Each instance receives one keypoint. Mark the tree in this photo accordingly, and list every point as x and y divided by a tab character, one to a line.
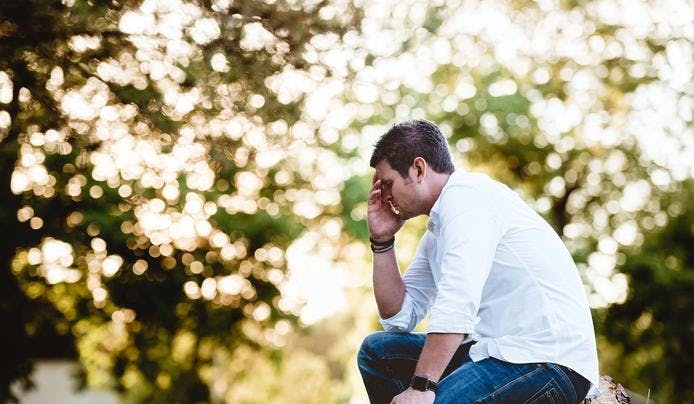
651	330
155	168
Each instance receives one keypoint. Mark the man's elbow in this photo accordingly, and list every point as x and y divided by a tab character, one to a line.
387	311
386	314
389	308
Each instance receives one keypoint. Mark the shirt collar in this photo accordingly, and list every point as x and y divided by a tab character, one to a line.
433	225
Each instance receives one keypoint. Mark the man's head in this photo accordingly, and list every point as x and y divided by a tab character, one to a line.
408	140
413	164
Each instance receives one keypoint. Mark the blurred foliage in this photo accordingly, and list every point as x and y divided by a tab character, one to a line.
150	185
651	330
167	165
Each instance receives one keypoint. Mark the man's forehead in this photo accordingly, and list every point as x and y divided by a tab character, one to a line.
384	170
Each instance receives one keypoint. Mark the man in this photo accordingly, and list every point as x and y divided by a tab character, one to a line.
508	316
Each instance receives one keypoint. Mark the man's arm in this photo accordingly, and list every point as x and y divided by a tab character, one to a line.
389	288
402	300
436	354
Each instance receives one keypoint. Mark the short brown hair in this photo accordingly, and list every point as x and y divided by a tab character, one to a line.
411	139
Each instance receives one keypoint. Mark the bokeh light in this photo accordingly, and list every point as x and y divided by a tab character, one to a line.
209	162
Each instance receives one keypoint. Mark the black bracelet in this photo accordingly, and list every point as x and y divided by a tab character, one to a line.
378	250
380	244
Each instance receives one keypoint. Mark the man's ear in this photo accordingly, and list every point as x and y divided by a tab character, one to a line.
420	166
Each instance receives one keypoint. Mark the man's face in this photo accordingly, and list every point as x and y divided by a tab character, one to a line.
398	191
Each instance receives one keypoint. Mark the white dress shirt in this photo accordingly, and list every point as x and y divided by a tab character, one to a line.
491	267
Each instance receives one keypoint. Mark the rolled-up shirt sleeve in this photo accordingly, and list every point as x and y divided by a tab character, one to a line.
419	292
468	245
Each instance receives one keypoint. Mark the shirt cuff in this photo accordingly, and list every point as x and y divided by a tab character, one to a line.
401	322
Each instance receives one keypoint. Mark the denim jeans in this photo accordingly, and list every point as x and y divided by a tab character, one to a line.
387	361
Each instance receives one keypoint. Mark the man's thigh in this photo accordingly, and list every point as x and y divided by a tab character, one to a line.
406	347
398	353
495	381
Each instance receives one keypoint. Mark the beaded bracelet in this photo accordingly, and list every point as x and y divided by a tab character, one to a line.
379	250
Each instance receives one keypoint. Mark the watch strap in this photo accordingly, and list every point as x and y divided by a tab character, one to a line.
423	384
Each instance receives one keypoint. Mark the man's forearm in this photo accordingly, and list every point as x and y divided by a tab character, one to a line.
436	354
389	288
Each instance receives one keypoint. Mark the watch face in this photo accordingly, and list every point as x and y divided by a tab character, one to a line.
419	383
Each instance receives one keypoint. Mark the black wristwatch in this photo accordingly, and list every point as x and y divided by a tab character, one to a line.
423	384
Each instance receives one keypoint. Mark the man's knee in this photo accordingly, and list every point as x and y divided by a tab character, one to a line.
377	345
371	344
384	343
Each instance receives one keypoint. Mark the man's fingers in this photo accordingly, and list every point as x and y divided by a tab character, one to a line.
373	195
376	184
375	191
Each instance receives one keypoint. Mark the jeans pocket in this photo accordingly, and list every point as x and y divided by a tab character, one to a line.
550	393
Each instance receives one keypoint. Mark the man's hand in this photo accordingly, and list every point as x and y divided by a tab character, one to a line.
412	396
383	223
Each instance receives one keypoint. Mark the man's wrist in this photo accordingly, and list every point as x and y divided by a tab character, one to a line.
382	246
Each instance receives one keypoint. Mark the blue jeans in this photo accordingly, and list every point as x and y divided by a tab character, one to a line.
387	361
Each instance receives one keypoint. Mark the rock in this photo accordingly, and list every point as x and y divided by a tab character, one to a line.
610	393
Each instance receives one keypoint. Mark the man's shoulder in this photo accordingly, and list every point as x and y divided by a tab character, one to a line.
471	183
466	191
472	179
